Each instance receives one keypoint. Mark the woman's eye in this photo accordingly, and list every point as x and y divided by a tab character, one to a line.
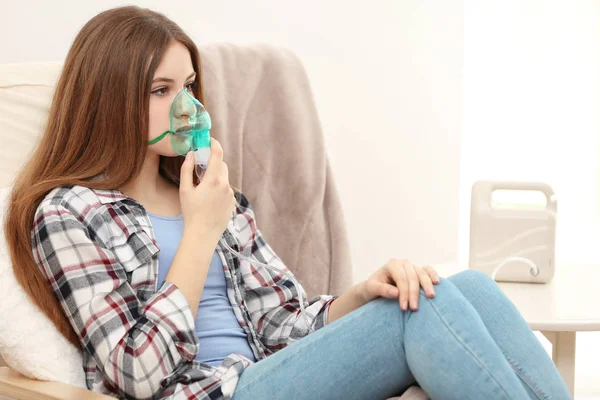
190	86
160	91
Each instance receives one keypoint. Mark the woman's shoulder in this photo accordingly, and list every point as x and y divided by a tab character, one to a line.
76	197
94	210
79	201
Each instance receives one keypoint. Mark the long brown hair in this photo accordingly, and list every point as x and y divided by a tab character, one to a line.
99	111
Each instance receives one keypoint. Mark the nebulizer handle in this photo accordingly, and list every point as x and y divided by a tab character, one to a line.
200	145
201	156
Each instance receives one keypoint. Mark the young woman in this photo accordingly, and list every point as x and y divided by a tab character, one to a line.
120	246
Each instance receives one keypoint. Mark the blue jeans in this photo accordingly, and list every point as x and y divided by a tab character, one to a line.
468	342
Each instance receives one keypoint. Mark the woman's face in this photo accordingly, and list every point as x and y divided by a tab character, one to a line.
174	73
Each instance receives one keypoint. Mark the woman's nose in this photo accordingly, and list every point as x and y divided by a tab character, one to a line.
185	116
184	108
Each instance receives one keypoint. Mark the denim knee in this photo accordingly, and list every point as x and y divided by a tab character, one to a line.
474	275
476	280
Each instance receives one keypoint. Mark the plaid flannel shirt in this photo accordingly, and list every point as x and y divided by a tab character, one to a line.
98	251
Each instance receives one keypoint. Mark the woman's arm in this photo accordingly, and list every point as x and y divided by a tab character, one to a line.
346	303
190	266
134	345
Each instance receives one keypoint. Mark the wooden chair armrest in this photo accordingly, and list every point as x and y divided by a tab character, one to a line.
17	386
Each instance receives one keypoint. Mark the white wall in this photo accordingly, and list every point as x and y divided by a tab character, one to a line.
530	99
387	81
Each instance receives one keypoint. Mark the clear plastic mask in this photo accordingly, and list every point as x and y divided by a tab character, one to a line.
190	124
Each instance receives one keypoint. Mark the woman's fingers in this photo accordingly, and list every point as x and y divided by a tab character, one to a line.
215	161
186	179
398	274
413	285
409	279
426	282
433	275
383	289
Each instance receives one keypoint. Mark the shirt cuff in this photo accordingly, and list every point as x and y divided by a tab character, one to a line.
322	317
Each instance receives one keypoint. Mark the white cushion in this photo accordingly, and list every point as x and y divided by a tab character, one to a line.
25	95
29	342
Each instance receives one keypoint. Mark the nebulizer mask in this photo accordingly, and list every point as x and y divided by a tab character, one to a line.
190	126
189	130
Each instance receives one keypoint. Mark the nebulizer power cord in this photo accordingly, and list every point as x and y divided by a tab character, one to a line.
189	131
534	270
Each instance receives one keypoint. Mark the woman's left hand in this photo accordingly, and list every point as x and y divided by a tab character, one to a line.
400	278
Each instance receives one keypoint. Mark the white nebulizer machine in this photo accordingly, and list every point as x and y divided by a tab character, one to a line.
190	126
513	241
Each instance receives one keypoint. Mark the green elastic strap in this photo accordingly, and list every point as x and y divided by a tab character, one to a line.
159	138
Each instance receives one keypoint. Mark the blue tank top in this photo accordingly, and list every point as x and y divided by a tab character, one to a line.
219	333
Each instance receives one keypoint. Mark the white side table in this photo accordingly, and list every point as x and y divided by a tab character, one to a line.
559	309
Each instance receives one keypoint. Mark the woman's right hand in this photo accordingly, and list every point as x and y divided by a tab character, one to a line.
207	208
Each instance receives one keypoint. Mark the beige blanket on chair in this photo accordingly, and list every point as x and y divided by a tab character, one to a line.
264	115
